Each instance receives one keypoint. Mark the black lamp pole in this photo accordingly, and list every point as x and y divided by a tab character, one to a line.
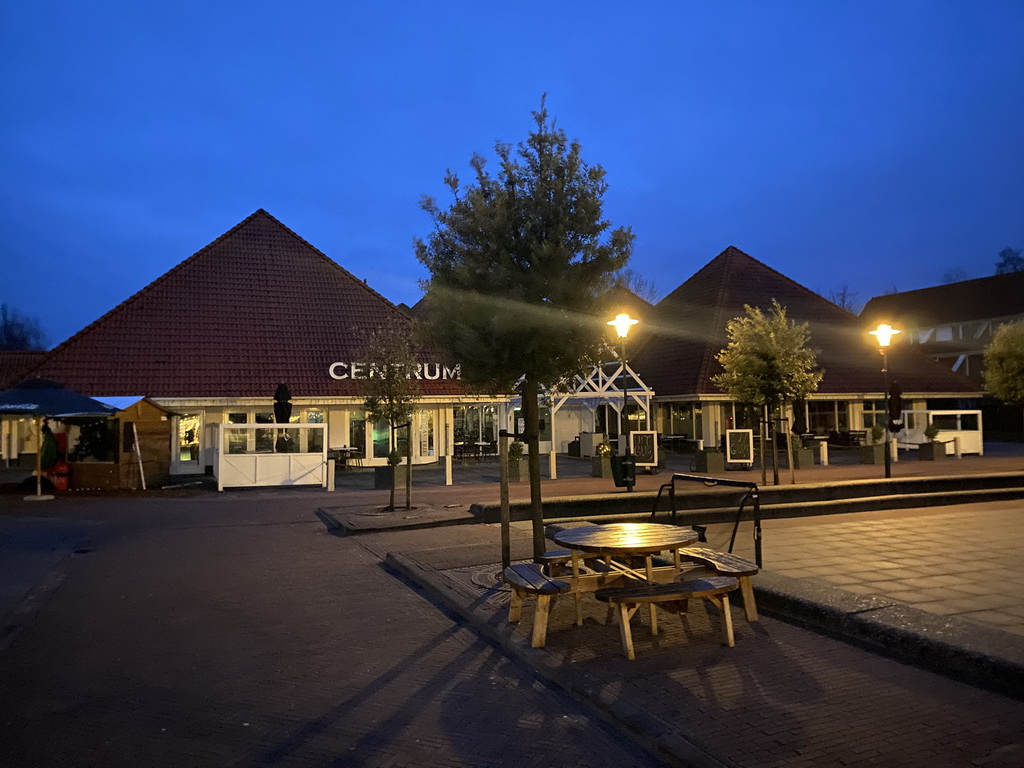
884	333
623	419
622	323
888	439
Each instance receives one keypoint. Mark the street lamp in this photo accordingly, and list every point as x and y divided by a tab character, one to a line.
884	333
622	323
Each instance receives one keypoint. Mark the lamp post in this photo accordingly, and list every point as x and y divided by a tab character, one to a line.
884	334
622	323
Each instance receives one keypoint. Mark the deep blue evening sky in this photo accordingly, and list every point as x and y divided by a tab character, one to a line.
877	144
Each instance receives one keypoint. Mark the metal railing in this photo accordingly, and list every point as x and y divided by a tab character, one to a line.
752	494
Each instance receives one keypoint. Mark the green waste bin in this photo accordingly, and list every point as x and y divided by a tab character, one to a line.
624	471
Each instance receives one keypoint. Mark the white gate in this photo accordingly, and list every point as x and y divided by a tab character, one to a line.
249	455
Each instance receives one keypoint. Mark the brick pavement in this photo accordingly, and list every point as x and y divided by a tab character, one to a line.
784	696
263	602
963	560
212	633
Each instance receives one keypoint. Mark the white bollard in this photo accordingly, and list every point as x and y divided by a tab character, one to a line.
330	475
894	449
823	452
956	447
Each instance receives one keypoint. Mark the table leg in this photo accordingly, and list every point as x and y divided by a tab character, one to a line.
653	608
577	596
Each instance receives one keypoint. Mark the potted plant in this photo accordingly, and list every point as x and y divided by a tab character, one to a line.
382	476
709	461
932	450
875	452
601	462
518	467
803	455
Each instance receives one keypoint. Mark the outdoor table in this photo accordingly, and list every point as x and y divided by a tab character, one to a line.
624	541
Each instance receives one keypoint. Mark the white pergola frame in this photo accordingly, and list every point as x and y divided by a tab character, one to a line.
595	388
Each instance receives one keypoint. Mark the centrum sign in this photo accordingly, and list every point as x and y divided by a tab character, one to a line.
424	371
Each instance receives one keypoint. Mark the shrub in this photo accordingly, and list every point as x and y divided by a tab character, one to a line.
515	451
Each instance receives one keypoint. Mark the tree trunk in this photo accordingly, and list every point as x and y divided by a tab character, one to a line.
531	418
764	443
789	450
775	444
408	466
391	447
506	527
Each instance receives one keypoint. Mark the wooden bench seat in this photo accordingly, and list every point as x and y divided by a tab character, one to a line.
727	564
555	561
673	597
527	579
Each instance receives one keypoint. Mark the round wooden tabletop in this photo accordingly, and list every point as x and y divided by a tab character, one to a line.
626	538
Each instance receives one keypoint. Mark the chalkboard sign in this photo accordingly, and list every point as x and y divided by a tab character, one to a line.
644	446
739	446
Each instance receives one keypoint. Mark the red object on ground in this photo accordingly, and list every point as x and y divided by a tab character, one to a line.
59	476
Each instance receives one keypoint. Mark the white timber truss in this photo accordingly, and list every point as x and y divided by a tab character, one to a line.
601	385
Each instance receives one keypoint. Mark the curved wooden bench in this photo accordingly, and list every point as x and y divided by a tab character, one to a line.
673	597
726	564
527	579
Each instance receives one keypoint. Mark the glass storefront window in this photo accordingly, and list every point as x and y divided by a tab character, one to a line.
189	425
264	437
426	421
381	441
827	416
874	413
315	440
357	432
238	439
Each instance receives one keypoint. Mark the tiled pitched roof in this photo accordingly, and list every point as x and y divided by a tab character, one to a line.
688	330
15	365
256	307
983	298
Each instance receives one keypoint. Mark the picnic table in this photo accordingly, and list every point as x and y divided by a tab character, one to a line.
621	544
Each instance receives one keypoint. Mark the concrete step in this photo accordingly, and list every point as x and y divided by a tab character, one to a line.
720	504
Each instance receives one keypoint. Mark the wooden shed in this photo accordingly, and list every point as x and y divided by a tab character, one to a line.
143	457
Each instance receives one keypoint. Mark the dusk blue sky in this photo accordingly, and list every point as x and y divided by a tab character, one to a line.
876	144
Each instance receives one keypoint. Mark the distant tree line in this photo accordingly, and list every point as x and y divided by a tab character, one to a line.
18	331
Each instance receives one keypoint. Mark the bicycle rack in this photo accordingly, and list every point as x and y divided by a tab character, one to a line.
752	494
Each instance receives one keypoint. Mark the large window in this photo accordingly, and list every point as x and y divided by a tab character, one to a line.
381	439
315	439
874	413
827	416
264	437
188	438
357	432
238	439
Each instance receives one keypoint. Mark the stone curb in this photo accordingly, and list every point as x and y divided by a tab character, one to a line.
975	654
650	732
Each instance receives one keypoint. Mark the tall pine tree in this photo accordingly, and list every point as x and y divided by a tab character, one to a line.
517	263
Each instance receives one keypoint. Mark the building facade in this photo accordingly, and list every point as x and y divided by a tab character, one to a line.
689	328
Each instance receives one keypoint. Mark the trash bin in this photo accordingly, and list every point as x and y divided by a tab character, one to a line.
624	471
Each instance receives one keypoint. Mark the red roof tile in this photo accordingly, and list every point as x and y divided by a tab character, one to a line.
15	365
256	307
983	298
689	329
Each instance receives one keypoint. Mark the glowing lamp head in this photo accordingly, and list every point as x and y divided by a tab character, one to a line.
884	334
622	324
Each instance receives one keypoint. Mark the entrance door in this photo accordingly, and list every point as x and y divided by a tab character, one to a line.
185	452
